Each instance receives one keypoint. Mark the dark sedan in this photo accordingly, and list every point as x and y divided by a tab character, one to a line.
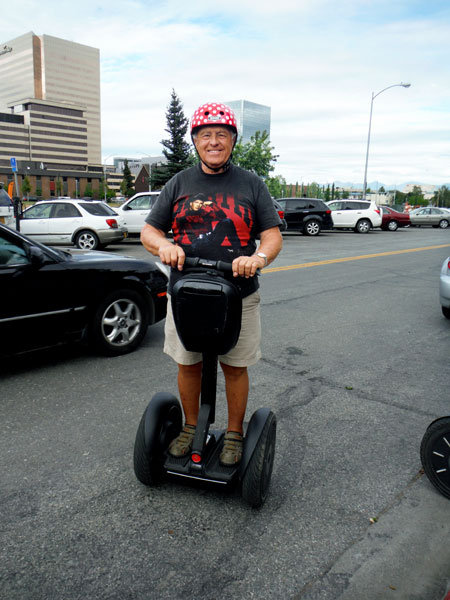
392	219
50	296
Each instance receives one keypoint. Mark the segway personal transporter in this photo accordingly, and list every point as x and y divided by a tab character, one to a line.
207	312
435	454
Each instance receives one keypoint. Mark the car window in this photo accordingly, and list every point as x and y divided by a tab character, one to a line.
335	206
143	202
282	204
65	211
10	253
38	211
98	209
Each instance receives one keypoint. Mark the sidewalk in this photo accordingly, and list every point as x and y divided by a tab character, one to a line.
405	555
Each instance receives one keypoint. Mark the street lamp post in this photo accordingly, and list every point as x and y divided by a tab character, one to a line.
405	85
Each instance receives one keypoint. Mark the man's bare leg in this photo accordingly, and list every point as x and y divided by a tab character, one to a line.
236	387
189	386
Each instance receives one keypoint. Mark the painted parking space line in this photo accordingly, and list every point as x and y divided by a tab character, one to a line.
349	258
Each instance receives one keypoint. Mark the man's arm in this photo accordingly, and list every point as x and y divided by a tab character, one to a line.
155	241
271	242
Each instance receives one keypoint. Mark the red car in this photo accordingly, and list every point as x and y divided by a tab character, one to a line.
392	219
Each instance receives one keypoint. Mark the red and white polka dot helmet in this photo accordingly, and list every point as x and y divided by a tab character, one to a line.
213	113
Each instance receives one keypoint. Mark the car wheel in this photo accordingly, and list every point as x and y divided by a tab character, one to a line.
393	226
86	240
443	224
446	312
363	226
312	227
119	323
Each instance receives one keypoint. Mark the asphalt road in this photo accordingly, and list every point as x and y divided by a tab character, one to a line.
355	366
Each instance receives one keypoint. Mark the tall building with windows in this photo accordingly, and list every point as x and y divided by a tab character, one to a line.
50	108
54	70
251	117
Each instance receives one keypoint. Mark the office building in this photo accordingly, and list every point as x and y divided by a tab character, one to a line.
50	111
251	117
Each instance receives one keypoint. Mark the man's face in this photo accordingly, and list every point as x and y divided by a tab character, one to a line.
214	146
196	204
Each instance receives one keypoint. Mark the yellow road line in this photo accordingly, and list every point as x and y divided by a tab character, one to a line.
349	258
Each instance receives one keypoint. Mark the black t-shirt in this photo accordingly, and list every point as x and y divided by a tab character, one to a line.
215	216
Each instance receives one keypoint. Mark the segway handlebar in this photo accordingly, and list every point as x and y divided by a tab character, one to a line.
218	265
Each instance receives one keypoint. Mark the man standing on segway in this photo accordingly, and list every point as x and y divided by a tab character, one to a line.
242	206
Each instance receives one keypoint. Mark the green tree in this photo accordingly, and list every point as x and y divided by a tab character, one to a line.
276	186
314	190
176	150
88	191
415	197
26	186
127	187
327	194
59	186
442	197
38	192
256	155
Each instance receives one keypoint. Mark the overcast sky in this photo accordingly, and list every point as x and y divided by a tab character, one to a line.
316	63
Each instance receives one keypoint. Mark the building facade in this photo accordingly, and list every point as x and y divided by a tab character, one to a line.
251	117
50	114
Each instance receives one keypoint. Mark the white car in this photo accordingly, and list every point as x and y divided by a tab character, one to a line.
360	215
89	225
134	211
444	288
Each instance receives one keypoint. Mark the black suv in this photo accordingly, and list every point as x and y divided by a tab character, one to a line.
308	215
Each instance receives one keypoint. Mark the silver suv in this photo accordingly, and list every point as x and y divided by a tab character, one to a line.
360	215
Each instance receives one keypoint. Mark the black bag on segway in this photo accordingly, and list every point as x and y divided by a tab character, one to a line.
207	310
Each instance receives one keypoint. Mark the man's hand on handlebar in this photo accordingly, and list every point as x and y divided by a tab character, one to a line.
247	266
173	255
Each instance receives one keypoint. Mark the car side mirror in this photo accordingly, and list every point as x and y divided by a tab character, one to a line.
37	257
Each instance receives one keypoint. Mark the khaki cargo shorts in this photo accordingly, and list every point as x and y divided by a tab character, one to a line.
247	351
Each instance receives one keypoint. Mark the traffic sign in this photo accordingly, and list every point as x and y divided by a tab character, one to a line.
13	164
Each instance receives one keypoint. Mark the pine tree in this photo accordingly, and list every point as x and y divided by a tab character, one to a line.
126	187
176	150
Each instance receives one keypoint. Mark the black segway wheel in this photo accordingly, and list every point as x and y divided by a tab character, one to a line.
435	454
256	480
160	424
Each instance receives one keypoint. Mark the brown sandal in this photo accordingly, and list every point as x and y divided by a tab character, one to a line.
182	444
232	449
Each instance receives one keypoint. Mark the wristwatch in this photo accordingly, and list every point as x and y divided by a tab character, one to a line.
264	256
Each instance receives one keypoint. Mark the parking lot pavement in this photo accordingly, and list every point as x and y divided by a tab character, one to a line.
355	366
403	555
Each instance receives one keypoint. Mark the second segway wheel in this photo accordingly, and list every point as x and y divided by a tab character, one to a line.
256	480
160	424
435	454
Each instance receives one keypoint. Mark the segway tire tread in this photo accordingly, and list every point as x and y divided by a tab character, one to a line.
142	467
435	455
256	481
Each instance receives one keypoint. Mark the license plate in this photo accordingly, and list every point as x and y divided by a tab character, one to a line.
125	234
2	219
